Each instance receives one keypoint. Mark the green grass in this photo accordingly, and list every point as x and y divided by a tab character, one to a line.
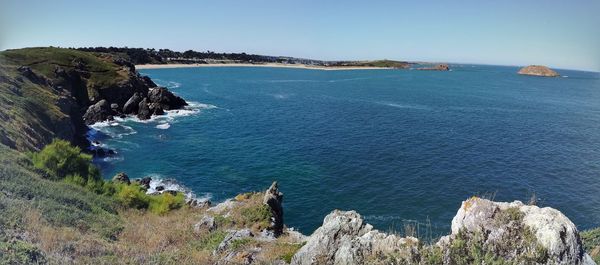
591	241
211	241
45	59
59	203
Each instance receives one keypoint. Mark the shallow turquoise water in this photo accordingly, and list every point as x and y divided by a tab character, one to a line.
395	145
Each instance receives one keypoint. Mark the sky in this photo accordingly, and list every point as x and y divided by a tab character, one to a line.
560	34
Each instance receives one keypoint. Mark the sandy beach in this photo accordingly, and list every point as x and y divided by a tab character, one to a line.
301	66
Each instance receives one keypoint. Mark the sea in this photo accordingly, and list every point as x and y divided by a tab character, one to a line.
401	147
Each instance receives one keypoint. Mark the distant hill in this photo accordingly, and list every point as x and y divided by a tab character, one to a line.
165	56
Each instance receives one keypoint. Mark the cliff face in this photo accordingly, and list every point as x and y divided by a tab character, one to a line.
538	70
46	93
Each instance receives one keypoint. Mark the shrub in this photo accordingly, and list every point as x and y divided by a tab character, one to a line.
211	241
161	204
132	196
258	214
60	159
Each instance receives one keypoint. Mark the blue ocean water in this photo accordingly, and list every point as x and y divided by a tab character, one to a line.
394	145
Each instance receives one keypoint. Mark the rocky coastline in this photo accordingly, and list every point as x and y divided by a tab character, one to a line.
438	67
483	232
250	228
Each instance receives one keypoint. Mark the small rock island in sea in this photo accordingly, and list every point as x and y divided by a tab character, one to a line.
538	70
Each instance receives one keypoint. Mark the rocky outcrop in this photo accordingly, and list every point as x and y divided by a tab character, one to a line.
344	238
132	104
483	232
231	237
100	111
207	223
165	99
121	177
144	111
519	232
538	70
439	67
273	198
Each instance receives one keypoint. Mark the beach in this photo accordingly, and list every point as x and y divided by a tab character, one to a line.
279	65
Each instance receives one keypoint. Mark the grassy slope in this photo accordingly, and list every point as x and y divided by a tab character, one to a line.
46	221
30	203
30	117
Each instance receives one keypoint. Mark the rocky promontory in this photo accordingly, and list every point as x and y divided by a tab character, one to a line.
538	70
60	91
439	67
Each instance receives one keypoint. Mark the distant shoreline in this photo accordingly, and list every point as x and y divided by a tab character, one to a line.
277	65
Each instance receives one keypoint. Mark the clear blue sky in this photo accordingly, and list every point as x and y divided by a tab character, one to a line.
562	34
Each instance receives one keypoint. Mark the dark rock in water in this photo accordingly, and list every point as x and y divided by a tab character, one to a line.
148	82
99	152
160	188
145	182
273	198
96	142
132	105
156	109
114	107
98	112
194	203
102	152
439	67
538	70
122	178
144	112
166	99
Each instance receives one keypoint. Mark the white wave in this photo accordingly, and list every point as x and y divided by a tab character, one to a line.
163	126
171	184
167	84
348	79
170	115
405	106
281	96
114	129
113	158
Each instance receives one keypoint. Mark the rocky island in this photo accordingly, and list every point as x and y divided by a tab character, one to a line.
538	70
67	213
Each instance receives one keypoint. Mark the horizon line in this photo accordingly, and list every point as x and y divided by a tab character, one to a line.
347	60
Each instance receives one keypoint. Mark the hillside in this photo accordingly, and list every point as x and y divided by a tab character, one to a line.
50	91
